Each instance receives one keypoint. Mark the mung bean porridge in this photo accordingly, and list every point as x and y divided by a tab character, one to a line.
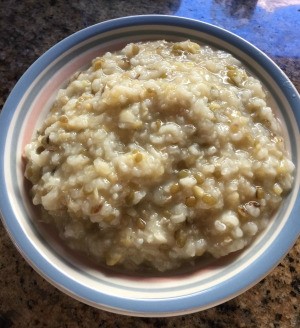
158	154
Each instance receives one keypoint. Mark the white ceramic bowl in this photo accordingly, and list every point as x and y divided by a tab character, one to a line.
161	295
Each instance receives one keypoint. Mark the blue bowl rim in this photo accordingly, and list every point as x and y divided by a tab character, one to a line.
146	307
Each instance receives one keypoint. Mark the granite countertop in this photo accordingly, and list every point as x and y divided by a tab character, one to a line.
27	29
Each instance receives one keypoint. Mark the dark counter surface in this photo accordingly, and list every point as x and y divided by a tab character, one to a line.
29	28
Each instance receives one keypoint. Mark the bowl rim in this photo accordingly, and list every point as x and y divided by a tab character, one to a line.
145	307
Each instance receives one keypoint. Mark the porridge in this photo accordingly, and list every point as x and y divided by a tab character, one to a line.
158	154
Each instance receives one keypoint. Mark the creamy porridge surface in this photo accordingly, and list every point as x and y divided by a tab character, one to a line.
159	153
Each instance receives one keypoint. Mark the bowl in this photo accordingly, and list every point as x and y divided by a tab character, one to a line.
173	293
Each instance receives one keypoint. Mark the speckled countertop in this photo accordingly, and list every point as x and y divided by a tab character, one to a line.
27	29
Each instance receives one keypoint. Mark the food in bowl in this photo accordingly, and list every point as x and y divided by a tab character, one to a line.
158	154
